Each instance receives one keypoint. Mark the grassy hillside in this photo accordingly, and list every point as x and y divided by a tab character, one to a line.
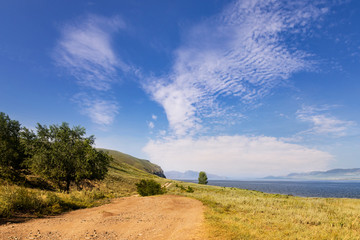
233	213
20	201
124	172
141	164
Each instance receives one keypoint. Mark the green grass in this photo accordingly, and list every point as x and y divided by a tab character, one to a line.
230	213
16	200
122	178
242	214
120	181
137	163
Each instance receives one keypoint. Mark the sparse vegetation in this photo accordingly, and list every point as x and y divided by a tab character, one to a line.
188	189
233	213
149	187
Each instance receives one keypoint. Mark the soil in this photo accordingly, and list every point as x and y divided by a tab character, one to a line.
157	217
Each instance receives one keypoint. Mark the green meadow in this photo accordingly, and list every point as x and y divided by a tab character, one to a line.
233	213
230	213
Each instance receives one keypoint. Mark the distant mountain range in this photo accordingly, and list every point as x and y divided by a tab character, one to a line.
334	174
191	175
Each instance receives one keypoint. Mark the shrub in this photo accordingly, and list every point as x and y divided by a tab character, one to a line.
149	187
189	189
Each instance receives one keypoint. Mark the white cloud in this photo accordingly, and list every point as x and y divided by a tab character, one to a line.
322	122
154	117
236	156
99	110
151	125
85	50
239	53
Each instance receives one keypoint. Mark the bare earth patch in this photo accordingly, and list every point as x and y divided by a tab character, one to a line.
158	217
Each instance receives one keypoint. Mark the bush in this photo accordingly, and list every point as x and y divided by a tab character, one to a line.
189	189
149	187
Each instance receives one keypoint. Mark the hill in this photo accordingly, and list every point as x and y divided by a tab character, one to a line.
141	164
333	174
36	197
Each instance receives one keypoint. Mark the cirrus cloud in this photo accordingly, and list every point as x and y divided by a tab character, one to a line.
101	111
239	54
85	50
322	122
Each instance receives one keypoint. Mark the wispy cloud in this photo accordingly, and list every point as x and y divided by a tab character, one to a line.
239	155
322	122
151	125
99	110
85	50
240	54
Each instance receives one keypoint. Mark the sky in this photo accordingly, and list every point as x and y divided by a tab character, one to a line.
245	88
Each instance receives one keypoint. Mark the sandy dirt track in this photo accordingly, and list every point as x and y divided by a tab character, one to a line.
157	217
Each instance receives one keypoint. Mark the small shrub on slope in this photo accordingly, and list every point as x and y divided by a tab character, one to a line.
149	187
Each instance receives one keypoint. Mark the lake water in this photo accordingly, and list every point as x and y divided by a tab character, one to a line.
327	189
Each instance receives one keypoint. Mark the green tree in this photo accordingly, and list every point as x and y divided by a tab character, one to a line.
11	151
63	155
203	178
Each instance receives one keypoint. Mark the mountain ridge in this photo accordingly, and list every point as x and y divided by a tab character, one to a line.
332	174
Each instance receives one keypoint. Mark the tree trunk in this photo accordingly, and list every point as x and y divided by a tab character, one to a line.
67	185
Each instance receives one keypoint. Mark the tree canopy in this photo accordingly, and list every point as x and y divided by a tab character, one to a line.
203	178
11	151
64	155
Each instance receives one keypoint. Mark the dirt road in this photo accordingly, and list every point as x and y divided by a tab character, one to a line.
158	217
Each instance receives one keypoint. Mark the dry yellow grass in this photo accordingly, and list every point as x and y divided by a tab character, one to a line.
120	181
242	214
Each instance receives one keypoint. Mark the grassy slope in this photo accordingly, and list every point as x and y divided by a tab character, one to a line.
242	214
122	177
141	164
120	181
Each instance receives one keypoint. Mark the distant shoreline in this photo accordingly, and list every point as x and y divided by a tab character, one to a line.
302	188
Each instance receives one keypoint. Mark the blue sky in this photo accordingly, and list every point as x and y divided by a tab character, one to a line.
244	88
